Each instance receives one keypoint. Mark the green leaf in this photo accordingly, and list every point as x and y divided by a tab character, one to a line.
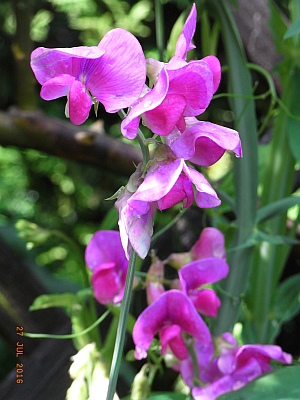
175	32
167	396
53	300
293	123
287	301
260	236
276	208
282	384
293	30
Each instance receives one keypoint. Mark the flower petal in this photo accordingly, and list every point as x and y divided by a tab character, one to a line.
57	87
211	243
204	143
181	191
107	284
205	301
80	103
121	74
149	101
171	336
165	312
184	44
157	182
206	197
215	67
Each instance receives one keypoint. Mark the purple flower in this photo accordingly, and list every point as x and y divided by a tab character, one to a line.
236	366
170	315
105	256
171	181
204	143
180	89
210	244
112	73
202	272
135	224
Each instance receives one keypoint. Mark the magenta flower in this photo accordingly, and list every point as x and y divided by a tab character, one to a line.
166	317
105	256
112	73
204	143
135	224
210	244
171	181
199	273
236	366
181	89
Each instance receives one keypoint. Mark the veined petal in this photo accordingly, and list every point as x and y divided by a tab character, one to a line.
206	197
184	43
121	74
158	182
49	63
148	102
204	143
57	87
165	312
80	103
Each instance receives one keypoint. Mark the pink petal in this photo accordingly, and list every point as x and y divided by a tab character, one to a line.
80	103
165	312
201	272
49	63
184	44
204	143
215	67
211	243
158	182
108	284
105	247
165	117
57	87
171	336
206	197
181	191
205	301
148	102
121	75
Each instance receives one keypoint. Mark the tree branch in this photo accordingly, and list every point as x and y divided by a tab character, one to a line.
35	130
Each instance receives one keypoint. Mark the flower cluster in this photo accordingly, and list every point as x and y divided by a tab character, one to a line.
115	73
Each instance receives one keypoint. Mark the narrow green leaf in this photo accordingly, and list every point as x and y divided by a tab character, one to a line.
282	384
276	208
53	300
287	301
293	30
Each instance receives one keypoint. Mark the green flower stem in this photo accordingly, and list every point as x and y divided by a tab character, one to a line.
119	345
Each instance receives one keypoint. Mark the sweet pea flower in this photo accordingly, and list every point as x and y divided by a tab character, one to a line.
199	273
154	280
181	89
236	366
169	181
170	315
112	73
135	224
204	143
105	256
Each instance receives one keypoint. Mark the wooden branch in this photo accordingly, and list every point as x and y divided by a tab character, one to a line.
35	130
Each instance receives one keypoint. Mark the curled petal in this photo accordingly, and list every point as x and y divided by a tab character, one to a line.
148	102
210	244
171	336
206	197
165	312
108	284
181	191
158	182
204	143
206	301
57	87
80	103
215	67
184	43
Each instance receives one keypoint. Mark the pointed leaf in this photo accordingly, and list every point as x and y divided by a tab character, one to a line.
276	208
